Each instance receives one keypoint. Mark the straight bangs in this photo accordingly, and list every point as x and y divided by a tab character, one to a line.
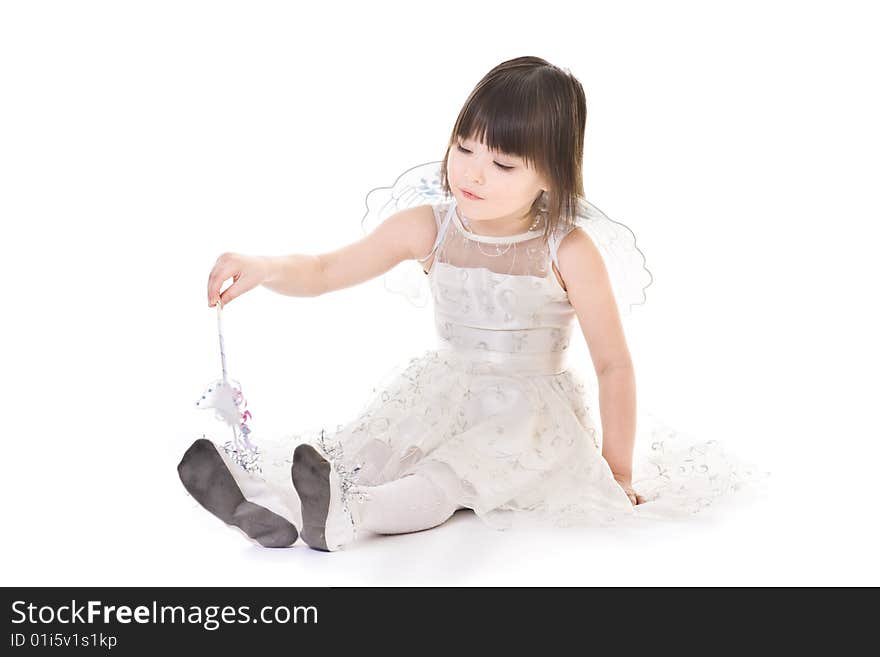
497	122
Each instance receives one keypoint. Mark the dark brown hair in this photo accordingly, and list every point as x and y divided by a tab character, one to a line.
532	109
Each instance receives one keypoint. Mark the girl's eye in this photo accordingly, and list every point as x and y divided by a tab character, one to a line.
500	166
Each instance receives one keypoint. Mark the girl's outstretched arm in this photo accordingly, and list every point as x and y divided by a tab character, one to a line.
590	293
404	235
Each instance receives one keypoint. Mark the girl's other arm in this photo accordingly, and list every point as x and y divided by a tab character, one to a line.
404	235
591	295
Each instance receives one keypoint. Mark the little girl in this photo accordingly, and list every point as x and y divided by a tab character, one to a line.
492	419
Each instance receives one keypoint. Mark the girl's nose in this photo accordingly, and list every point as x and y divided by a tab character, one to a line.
477	180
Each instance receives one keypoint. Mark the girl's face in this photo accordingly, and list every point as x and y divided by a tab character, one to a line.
506	186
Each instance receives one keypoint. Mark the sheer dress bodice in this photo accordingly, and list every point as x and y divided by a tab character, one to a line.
497	298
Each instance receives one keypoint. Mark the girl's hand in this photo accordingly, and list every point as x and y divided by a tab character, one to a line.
626	483
247	272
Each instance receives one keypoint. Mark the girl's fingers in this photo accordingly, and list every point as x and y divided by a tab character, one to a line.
218	275
239	286
635	497
214	282
229	294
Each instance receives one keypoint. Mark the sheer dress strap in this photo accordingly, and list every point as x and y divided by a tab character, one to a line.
554	239
442	225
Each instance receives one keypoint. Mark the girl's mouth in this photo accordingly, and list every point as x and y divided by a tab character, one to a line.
473	197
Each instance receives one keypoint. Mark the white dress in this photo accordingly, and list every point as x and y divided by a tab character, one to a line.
493	415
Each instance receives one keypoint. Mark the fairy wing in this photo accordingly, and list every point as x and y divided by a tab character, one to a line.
624	261
419	185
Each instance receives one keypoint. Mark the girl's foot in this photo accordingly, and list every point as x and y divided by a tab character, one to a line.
327	524
206	477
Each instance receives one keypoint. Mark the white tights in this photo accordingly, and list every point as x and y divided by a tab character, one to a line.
409	504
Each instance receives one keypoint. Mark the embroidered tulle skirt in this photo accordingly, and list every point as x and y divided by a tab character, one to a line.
514	440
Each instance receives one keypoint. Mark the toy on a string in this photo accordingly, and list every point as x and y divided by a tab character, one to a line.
224	396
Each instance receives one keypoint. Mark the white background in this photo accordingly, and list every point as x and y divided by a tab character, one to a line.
138	141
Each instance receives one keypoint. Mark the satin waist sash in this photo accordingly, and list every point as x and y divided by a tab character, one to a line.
533	363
